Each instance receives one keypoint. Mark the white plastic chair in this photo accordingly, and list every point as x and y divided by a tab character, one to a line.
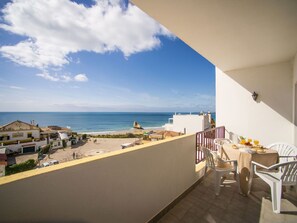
285	151
234	137
220	171
219	143
276	176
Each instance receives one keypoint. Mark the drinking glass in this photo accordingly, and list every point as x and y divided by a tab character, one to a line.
242	141
256	142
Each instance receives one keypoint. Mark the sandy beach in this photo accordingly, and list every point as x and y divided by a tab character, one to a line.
90	147
132	130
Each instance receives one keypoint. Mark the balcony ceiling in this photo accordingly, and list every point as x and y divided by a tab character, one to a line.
231	34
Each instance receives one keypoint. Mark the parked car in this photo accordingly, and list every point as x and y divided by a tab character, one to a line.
45	164
53	162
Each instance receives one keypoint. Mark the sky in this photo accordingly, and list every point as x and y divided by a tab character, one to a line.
104	55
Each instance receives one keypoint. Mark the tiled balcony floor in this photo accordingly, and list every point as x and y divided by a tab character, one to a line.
201	204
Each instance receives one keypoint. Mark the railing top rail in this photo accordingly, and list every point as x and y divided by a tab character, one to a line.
209	130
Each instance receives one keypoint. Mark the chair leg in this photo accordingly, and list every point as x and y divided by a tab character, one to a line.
250	181
238	183
218	183
205	171
276	196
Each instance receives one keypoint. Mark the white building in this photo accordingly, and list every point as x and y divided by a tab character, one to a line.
23	137
18	130
188	123
55	135
20	137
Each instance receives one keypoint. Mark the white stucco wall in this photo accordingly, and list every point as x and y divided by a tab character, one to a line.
56	144
131	185
192	123
35	134
270	118
18	147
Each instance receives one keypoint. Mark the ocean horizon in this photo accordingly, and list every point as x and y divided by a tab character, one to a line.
92	121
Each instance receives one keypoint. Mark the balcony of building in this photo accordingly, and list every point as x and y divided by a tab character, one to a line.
148	183
201	204
131	185
253	45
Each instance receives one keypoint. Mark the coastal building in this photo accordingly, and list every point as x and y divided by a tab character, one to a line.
18	130
55	135
188	123
253	45
20	137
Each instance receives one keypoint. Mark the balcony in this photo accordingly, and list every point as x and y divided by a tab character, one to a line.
138	184
201	204
131	185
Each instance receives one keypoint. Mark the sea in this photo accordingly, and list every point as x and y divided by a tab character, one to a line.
84	122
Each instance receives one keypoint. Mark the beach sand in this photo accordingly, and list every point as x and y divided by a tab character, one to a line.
95	146
134	131
90	147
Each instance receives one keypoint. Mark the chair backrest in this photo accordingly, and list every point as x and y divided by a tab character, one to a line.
234	137
209	158
288	172
220	141
284	149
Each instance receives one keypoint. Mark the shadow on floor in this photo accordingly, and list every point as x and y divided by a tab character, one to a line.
201	204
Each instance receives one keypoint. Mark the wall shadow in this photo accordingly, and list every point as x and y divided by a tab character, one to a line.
273	83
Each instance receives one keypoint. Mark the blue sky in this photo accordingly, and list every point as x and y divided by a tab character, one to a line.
96	56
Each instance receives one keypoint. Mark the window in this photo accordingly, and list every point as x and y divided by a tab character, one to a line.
4	137
17	134
29	135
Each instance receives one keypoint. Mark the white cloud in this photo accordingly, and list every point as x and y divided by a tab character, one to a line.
66	78
16	87
63	77
81	78
48	77
33	54
56	28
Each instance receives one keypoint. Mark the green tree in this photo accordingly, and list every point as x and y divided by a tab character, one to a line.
64	143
